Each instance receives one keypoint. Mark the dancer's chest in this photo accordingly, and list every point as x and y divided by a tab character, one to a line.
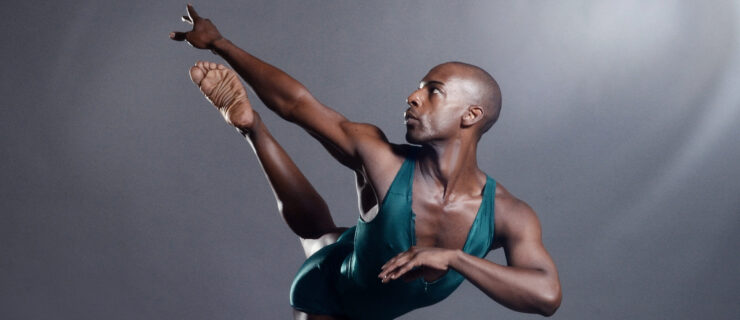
443	226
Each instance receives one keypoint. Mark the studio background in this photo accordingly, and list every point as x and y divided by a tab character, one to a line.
124	195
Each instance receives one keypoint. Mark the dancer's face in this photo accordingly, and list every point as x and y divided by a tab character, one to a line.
436	108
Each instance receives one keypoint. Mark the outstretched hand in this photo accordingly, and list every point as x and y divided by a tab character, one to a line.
204	32
410	263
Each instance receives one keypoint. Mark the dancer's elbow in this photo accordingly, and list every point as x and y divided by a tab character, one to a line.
550	301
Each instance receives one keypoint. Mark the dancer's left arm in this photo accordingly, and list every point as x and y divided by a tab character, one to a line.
528	284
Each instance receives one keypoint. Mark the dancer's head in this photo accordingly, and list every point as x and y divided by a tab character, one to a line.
453	99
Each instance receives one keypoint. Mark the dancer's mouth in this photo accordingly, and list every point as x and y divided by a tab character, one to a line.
409	117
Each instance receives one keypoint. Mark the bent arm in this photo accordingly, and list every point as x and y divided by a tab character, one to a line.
517	288
530	281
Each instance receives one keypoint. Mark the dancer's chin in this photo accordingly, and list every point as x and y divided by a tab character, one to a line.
411	139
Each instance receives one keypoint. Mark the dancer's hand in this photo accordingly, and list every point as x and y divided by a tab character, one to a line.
204	32
416	257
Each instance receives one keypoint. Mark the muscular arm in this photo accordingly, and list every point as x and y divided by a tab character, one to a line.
356	145
289	99
528	284
353	144
530	281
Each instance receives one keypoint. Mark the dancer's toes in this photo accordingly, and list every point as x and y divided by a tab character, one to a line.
197	74
222	87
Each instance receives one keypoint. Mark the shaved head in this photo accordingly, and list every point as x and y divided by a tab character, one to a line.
486	95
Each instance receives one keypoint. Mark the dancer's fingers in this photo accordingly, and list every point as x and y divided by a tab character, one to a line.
399	258
191	13
405	268
390	268
392	260
386	267
187	19
178	36
395	271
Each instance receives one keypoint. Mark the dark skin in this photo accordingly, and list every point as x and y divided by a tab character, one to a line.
445	119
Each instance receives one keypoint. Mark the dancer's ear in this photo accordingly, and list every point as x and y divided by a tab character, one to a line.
472	115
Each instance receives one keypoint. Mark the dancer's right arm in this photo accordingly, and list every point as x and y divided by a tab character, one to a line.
293	102
357	145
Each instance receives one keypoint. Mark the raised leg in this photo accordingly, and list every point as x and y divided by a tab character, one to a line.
300	205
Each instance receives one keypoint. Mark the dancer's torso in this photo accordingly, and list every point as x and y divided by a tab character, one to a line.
393	230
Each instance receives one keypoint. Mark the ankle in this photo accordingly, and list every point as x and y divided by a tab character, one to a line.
254	126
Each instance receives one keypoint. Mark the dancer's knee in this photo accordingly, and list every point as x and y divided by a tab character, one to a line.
299	315
310	246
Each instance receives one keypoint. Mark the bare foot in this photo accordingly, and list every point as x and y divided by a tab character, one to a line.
222	88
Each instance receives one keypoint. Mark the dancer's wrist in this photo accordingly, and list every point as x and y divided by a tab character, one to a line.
219	45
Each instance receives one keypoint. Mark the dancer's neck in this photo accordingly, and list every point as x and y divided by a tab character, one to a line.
453	166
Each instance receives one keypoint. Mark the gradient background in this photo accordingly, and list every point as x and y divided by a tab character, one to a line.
125	196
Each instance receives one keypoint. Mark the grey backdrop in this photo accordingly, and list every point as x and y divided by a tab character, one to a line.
125	196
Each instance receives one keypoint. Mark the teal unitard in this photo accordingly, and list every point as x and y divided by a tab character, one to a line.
342	278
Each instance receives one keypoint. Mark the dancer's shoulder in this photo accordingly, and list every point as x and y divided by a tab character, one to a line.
514	217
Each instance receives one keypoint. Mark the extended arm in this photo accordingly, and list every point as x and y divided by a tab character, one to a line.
287	97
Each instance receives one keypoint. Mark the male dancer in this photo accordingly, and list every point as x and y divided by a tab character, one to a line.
428	212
